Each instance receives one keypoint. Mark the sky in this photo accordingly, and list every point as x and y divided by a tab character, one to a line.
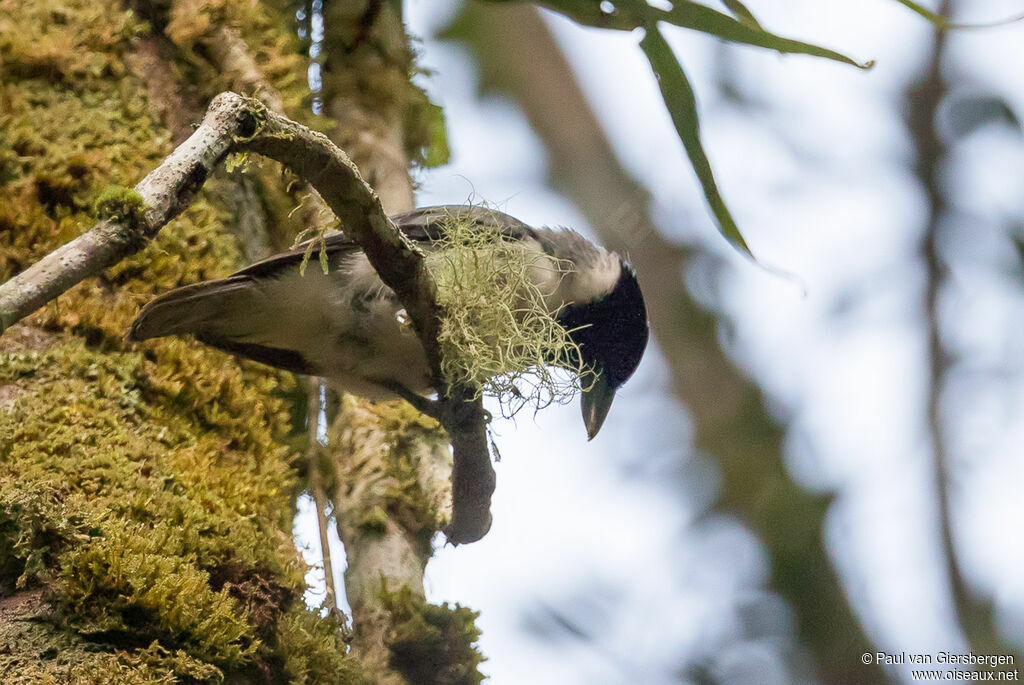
603	564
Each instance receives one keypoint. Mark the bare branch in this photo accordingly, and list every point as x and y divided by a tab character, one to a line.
236	124
165	192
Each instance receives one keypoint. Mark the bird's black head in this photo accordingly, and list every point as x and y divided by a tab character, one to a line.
612	333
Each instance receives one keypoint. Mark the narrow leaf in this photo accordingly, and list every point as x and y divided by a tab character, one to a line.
682	106
595	13
940	22
692	15
742	14
626	15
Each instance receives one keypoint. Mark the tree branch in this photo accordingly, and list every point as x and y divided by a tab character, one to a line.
165	192
236	124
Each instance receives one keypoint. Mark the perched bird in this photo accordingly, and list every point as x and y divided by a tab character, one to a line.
346	325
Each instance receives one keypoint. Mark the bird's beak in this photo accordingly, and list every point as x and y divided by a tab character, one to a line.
596	402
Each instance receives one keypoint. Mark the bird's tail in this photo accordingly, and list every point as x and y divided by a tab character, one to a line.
203	308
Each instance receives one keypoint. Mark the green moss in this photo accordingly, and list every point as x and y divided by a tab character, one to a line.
425	135
145	495
374	520
36	523
120	203
431	644
35	650
71	42
264	28
154	664
314	647
136	584
157	501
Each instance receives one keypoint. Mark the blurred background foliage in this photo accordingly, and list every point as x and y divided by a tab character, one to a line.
797	477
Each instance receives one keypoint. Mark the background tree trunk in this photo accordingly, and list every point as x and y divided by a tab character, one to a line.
518	56
393	466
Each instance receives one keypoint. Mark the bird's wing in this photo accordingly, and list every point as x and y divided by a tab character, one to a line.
261	312
335	243
423	225
429	223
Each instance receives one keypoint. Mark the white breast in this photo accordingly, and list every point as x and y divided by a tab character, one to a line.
353	340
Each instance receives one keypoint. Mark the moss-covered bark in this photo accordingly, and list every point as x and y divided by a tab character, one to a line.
393	469
146	500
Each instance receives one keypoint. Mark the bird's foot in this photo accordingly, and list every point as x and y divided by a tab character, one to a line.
424	405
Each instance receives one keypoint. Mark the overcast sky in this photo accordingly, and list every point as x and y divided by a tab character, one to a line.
601	565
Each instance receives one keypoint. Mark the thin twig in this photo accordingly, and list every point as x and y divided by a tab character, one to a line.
973	613
316	486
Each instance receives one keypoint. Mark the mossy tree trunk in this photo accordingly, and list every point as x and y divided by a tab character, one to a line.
146	495
392	466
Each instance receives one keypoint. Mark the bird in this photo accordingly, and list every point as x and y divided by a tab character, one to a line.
347	326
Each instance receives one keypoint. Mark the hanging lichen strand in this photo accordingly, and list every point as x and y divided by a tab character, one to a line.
504	351
146	501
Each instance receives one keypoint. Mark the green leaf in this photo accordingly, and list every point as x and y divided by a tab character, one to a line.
743	15
438	152
961	115
626	15
682	106
592	13
938	20
692	15
942	23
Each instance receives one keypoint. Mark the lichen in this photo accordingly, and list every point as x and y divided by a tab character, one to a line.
431	644
497	334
